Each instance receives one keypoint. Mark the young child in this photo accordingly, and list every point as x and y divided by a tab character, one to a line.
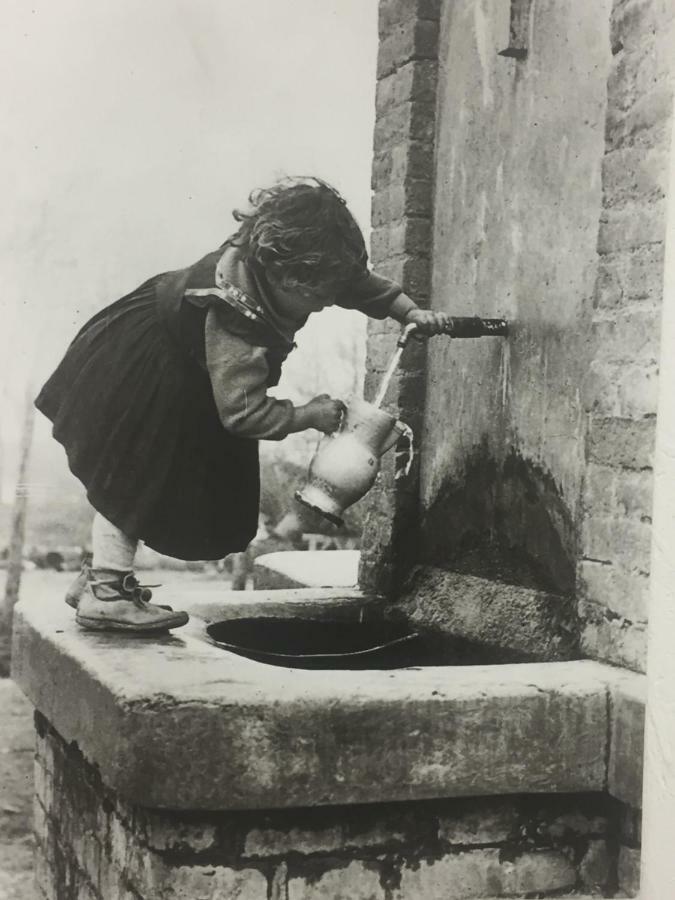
161	398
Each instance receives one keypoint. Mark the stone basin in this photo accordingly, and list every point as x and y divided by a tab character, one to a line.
177	723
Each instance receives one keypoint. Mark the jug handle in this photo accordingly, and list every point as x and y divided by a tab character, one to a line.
409	452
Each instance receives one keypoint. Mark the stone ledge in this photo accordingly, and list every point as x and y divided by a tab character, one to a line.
178	723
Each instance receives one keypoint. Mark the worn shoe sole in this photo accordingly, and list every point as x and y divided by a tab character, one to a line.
91	624
74	601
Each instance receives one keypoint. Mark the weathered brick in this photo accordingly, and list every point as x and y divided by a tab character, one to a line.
631	226
619	389
634	173
357	881
414	121
634	72
630	276
624	593
630	21
162	833
646	122
412	273
484	825
595	868
399	201
412	235
393	13
215	883
479	873
624	775
629	871
575	823
622	442
410	40
416	82
600	490
612	640
609	538
638	390
262	842
412	160
628	336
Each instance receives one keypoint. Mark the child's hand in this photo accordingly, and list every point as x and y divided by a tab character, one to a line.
427	321
324	413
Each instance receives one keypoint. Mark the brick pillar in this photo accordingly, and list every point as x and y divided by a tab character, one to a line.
621	390
402	181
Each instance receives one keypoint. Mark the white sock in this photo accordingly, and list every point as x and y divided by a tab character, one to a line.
112	548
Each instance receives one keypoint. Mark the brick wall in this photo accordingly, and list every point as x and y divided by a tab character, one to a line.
94	846
400	249
621	392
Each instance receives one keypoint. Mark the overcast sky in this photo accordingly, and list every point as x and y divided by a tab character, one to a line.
130	128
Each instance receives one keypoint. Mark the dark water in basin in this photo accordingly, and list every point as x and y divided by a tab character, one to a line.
329	644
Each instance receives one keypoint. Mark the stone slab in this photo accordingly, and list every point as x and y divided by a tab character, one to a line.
308	568
178	723
624	777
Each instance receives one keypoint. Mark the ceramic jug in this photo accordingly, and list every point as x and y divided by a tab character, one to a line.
346	463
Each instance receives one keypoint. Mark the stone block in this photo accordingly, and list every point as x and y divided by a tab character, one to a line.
416	82
613	639
485	824
646	122
480	873
398	201
163	833
595	868
631	226
493	613
356	881
630	277
262	842
392	13
214	883
411	236
634	173
627	743
408	734
610	539
630	22
412	273
635	71
411	39
629	871
409	121
575	823
267	842
638	391
626	594
627	443
628	336
410	160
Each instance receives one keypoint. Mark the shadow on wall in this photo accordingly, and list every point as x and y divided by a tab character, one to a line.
504	520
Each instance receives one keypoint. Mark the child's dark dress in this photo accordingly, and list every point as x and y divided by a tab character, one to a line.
140	413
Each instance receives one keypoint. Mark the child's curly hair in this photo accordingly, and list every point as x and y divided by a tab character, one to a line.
301	232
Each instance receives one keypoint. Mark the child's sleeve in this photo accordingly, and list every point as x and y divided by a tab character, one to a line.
239	373
373	295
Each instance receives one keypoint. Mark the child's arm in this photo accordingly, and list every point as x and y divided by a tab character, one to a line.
239	372
381	298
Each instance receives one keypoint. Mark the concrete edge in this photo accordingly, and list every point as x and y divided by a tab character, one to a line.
73	679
